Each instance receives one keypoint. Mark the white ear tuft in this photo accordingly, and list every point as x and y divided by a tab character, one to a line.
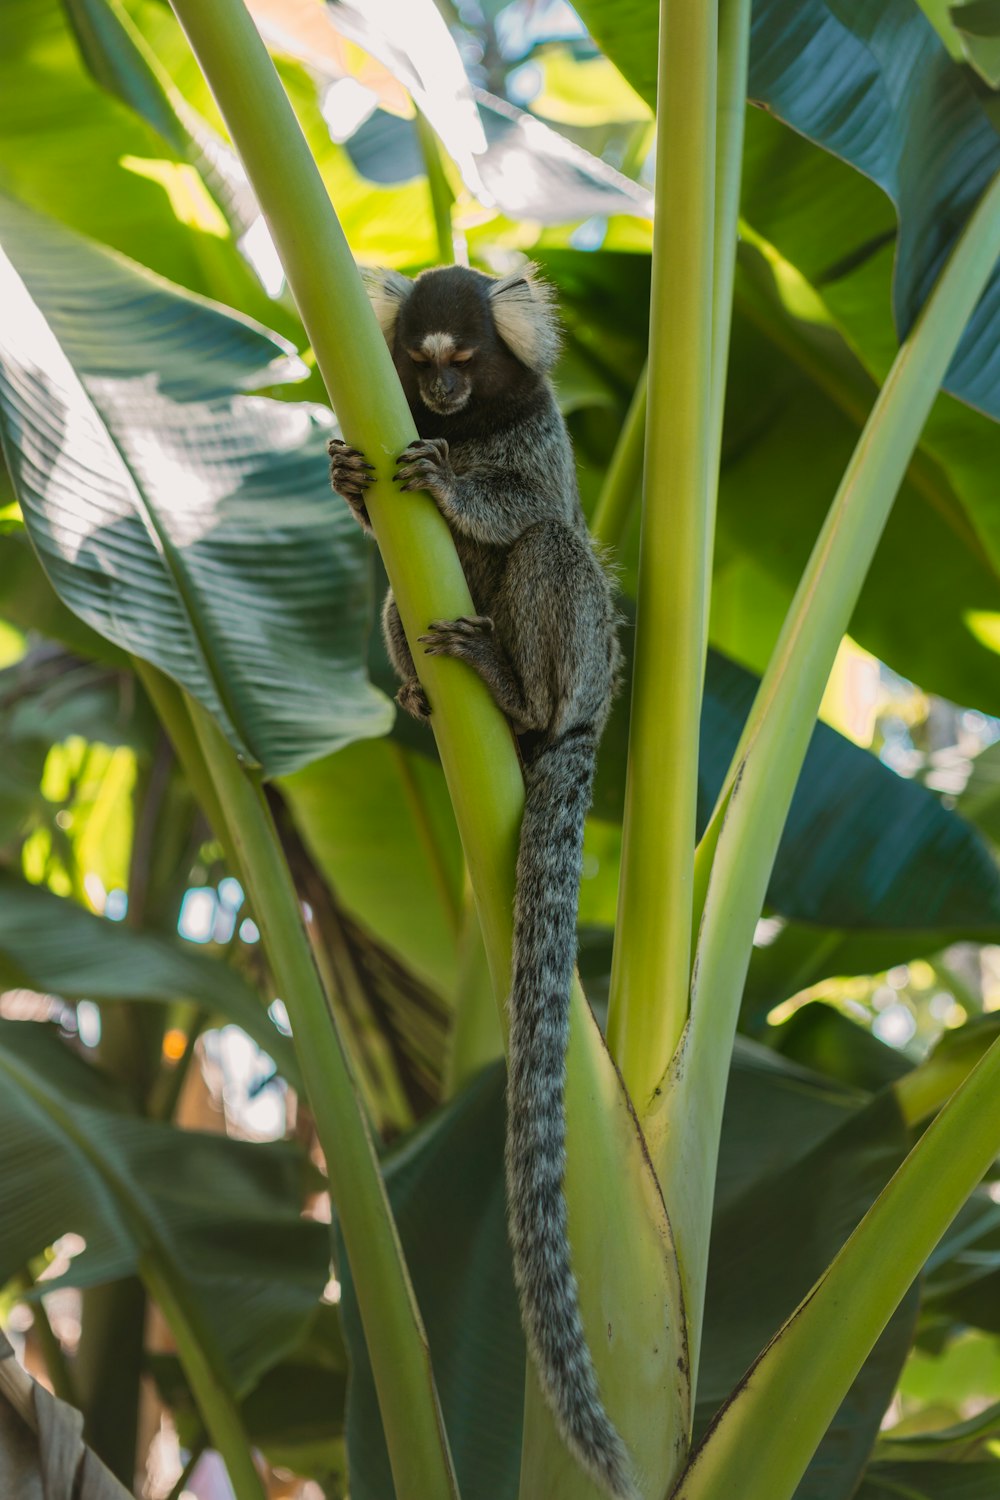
387	291
524	315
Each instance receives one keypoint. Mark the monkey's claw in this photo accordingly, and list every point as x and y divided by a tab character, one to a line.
422	465
413	700
456	637
350	471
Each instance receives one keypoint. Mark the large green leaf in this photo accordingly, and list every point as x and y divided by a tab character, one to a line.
52	945
791	429
872	83
217	1216
190	525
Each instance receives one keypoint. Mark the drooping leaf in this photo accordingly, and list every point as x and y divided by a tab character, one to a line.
50	944
190	525
217	1215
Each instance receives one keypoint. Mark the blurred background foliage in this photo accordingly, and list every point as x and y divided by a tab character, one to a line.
144	1052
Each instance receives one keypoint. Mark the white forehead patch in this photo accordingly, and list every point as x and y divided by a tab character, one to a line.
437	345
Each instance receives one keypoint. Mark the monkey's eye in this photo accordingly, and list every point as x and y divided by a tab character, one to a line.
418	359
462	356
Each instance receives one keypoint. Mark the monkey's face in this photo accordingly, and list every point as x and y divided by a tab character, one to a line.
443	367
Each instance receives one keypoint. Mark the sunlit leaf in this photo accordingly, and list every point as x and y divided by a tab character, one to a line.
189	525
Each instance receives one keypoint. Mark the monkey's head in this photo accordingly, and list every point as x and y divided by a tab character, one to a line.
457	335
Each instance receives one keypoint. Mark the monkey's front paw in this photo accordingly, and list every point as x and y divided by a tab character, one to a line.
456	637
424	465
350	471
413	700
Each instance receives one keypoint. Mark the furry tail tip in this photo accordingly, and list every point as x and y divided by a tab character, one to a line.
596	1444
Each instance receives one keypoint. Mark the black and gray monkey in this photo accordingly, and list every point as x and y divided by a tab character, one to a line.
473	355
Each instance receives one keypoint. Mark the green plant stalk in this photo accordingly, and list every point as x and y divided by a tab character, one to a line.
438	187
623	479
765	1436
418	1446
684	1127
476	1038
649	981
734	54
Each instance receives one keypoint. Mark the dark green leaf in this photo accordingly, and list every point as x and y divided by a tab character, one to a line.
931	1481
219	1215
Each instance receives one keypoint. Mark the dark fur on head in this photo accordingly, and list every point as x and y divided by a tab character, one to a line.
502	330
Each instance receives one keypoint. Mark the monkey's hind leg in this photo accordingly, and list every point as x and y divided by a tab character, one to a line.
411	696
471	638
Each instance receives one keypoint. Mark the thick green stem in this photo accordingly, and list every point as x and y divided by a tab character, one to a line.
734	53
623	480
649	985
755	1450
684	1126
438	186
418	1448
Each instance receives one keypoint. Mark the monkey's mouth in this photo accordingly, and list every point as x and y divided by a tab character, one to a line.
445	406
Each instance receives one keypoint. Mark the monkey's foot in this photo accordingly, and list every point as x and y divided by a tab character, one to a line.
413	700
350	471
424	465
463	637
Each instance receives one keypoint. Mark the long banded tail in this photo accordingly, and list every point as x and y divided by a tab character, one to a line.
558	782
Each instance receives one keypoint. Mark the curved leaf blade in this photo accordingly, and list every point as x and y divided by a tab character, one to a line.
189	525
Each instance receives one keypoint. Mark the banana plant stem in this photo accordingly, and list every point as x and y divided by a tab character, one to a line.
649	981
623	481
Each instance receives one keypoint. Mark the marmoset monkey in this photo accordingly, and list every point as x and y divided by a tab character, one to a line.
473	354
